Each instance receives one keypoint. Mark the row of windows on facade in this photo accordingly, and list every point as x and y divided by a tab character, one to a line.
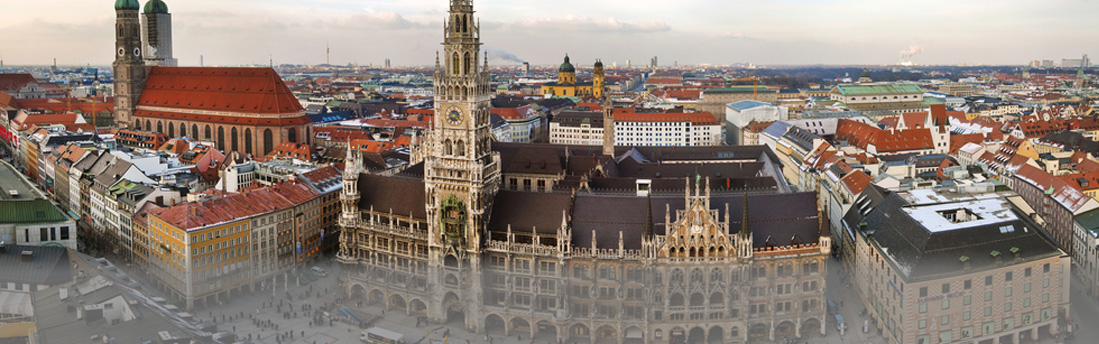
986	328
48	234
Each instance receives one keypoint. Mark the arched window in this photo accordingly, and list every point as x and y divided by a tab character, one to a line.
137	124
160	127
208	132
182	129
467	67
454	64
194	130
248	141
292	135
461	148
447	148
221	138
234	139
148	125
267	141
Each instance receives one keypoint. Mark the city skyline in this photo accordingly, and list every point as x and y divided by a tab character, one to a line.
773	33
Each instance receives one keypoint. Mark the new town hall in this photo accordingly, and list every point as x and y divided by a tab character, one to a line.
581	244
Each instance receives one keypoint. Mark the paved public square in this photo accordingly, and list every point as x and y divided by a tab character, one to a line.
261	316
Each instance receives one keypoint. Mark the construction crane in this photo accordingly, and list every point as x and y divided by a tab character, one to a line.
755	85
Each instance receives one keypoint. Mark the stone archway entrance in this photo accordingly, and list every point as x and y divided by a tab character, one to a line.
758	332
579	333
634	335
785	329
606	335
494	325
357	291
716	336
696	336
810	327
545	332
375	297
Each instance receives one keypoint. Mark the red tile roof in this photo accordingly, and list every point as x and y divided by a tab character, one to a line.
15	82
24	121
232	207
856	181
1062	192
300	151
247	90
683	94
959	140
232	120
519	113
863	135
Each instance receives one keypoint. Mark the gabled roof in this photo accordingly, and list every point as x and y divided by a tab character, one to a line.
245	90
14	82
1056	188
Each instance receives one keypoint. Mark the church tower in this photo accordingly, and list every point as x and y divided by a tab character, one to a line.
566	75
156	33
129	68
461	173
608	127
597	79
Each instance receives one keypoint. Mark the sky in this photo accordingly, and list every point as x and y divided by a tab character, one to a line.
720	32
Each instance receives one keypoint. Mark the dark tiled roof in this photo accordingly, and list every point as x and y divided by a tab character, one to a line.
47	266
776	219
404	196
524	211
920	253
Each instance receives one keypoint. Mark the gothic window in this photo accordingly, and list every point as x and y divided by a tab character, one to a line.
292	134
461	148
182	129
235	139
454	64
677	276
171	130
467	68
159	127
715	276
267	141
221	138
208	132
194	130
717	299
448	149
676	300
696	276
248	141
148	125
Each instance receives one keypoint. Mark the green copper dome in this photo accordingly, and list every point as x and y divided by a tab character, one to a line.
127	5
567	67
156	6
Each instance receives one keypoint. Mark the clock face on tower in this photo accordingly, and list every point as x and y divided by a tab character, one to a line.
454	116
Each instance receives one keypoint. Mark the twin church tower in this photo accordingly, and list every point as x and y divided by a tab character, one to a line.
142	38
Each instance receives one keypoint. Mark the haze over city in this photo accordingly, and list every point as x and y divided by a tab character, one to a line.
244	32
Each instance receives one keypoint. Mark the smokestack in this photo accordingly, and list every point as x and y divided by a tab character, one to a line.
526	68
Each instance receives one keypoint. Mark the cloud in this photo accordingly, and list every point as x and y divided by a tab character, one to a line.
730	35
590	25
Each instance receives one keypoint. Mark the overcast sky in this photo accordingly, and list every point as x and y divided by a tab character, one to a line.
238	32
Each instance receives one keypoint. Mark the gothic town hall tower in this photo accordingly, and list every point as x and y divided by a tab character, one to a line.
462	174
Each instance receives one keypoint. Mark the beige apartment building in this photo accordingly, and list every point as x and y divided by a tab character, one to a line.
942	266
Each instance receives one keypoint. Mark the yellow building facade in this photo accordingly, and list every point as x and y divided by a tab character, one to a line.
566	85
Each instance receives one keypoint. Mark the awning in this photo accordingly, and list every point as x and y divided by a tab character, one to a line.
16	303
634	333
